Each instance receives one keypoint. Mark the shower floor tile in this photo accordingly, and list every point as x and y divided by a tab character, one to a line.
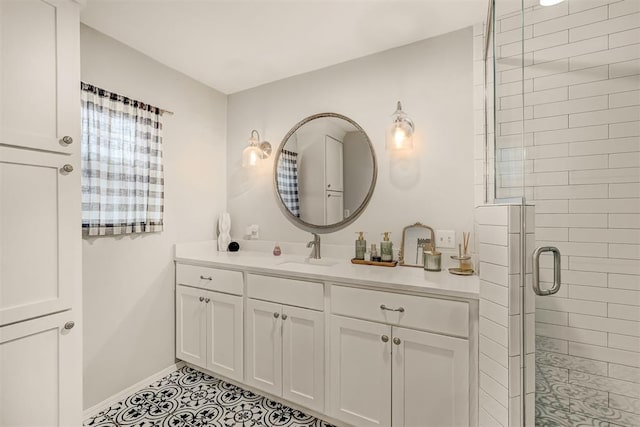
562	403
189	398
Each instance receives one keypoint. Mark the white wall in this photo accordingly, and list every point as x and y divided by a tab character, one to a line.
432	78
129	281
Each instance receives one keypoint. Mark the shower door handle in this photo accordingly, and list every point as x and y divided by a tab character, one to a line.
536	270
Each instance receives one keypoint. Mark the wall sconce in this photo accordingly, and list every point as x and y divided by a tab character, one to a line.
255	151
550	2
400	133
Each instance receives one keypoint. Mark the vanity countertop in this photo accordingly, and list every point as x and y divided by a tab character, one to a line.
406	279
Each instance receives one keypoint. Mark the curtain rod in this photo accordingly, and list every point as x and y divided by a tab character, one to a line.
162	110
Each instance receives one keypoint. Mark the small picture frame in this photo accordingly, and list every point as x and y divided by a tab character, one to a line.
416	238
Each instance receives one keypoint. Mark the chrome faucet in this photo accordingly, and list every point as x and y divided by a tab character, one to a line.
315	244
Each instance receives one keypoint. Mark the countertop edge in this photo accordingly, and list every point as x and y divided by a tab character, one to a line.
386	286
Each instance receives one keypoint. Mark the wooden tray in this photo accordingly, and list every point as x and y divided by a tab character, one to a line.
378	263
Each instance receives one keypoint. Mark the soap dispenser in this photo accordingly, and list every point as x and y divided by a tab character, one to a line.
386	248
361	245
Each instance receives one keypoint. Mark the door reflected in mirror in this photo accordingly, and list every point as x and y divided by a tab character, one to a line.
325	172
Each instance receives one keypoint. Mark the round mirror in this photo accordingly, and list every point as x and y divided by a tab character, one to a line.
325	172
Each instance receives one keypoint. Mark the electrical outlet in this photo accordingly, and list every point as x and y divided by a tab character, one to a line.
445	238
253	232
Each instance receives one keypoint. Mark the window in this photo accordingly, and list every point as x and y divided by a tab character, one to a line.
122	171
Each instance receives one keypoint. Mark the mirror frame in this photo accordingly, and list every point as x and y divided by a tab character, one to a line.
404	231
323	229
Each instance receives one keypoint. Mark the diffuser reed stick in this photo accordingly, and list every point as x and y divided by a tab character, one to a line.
465	239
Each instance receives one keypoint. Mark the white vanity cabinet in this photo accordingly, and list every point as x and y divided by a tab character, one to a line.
361	354
385	374
430	379
209	325
360	360
285	343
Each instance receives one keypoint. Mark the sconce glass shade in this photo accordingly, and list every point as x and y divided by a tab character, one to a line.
550	2
250	156
400	132
255	151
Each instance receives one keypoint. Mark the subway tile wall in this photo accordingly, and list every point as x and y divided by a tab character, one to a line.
503	364
579	122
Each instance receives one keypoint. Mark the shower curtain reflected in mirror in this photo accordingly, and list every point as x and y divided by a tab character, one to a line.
288	181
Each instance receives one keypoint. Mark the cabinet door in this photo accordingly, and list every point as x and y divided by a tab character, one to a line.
430	379
333	164
303	357
191	326
360	377
224	334
39	233
264	346
41	372
334	207
39	74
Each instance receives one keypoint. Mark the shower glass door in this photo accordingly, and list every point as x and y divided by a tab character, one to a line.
567	140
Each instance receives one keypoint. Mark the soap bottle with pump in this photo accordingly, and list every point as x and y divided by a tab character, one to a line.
361	246
386	248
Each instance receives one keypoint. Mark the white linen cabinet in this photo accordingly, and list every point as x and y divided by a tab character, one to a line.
40	213
40	80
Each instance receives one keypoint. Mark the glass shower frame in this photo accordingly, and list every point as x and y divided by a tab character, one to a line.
504	178
509	173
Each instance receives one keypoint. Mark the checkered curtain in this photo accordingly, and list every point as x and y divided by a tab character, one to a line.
122	172
288	180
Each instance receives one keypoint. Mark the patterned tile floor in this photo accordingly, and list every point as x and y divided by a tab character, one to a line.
189	398
561	402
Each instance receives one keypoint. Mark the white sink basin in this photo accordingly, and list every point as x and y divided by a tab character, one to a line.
309	261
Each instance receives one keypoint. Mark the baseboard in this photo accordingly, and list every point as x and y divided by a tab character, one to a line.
95	409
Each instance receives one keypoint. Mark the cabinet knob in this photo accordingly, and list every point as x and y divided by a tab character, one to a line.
67	168
396	341
276	315
69	325
206	278
201	299
67	140
384	338
284	316
207	300
328	185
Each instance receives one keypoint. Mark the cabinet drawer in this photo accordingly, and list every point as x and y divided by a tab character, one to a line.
209	278
299	293
429	314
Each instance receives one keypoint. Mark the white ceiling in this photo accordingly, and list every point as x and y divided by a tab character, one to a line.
238	44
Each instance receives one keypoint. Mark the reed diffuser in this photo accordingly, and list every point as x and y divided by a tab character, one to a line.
465	267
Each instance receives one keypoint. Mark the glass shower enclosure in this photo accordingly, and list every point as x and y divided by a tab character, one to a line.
562	133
